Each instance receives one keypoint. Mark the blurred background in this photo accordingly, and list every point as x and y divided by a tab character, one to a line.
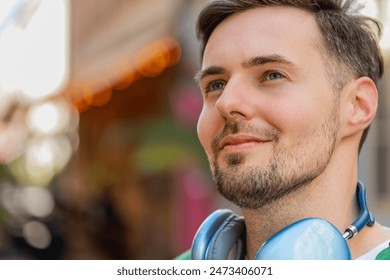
99	157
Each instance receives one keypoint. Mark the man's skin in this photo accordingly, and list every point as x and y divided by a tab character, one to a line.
270	108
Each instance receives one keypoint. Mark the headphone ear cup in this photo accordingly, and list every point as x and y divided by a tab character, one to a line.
219	235
307	239
228	241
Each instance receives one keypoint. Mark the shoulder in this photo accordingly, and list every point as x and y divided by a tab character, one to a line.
380	252
184	256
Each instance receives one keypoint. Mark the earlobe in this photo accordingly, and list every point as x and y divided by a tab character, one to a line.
364	100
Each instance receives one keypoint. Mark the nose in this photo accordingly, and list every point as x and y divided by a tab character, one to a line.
235	100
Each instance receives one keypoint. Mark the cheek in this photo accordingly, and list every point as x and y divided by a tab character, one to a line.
203	130
207	129
285	113
295	122
305	122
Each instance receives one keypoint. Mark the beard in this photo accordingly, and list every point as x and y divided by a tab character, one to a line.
289	168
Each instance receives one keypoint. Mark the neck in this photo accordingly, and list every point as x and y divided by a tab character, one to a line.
331	196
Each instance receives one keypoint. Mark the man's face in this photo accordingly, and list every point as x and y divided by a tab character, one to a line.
270	119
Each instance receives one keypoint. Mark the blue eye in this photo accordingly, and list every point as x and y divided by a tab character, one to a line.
215	85
274	76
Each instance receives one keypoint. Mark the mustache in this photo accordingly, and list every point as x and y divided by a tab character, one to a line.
234	127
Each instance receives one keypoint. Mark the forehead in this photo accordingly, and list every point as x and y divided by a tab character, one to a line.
286	31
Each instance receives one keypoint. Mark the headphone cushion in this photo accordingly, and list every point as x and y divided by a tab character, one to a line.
230	235
217	235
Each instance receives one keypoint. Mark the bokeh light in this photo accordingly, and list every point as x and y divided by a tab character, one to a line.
37	201
37	234
47	154
152	60
49	117
34	54
10	200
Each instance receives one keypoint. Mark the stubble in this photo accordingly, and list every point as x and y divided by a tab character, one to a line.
288	169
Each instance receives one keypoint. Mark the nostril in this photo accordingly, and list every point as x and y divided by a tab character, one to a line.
236	113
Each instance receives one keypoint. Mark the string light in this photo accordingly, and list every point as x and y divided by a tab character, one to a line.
149	62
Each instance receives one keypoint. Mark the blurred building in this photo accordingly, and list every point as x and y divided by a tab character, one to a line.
125	176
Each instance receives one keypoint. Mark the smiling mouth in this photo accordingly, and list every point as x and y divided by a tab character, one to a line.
240	143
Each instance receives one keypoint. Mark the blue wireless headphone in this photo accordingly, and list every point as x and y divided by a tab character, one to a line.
222	236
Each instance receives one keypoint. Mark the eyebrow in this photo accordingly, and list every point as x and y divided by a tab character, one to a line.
261	60
251	62
212	70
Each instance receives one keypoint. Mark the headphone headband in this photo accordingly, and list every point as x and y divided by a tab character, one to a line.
365	216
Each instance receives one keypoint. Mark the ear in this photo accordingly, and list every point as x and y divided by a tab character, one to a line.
363	104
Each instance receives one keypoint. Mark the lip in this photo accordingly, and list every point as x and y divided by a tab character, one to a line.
240	142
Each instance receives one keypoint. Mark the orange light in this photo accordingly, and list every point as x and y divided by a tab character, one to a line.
174	50
97	92
149	62
155	58
122	75
152	60
74	95
81	105
102	98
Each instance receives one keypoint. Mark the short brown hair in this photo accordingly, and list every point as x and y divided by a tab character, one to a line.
349	38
